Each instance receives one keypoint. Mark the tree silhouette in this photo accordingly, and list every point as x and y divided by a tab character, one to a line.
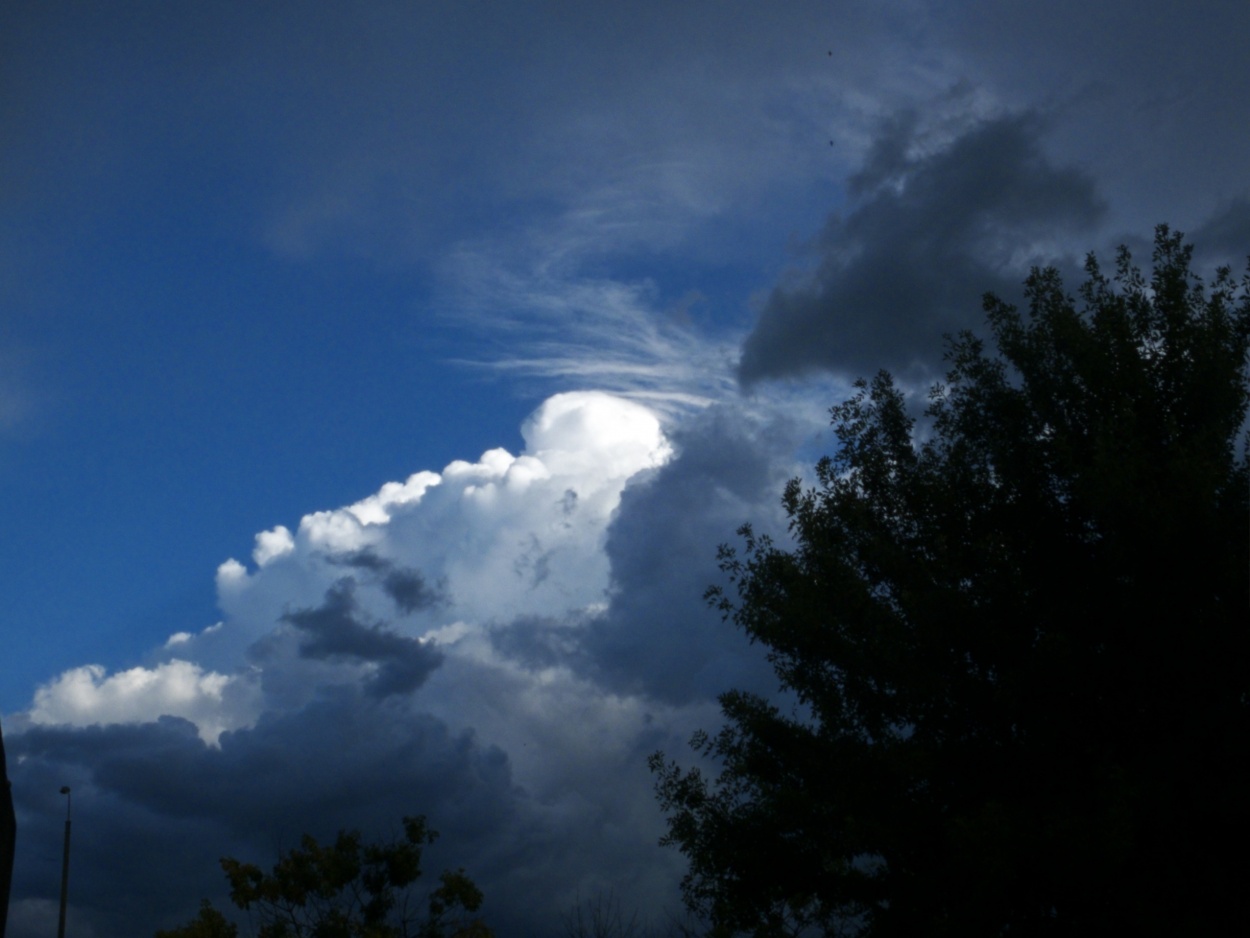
347	889
1017	651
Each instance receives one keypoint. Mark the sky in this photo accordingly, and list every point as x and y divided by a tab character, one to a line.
378	379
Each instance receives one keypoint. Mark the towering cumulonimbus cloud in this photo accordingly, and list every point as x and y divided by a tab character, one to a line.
498	646
383	584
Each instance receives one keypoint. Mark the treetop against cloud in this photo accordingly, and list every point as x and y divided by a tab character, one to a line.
255	265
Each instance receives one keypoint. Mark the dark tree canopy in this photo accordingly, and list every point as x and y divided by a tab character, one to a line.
347	889
1019	649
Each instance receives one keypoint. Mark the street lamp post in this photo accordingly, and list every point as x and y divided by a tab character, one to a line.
69	802
8	838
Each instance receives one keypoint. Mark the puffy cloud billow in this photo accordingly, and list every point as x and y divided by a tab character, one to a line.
85	696
498	646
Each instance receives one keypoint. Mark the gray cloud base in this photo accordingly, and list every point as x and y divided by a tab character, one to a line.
332	631
155	806
658	636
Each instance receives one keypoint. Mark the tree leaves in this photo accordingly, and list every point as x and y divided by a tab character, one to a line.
1018	649
345	889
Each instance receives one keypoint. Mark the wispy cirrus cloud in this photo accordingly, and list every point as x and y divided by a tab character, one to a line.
549	320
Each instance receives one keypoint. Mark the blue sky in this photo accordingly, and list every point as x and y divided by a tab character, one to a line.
258	261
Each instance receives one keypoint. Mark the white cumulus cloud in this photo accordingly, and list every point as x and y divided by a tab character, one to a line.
272	544
437	558
87	696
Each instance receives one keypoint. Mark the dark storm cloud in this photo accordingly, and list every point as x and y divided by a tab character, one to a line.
407	587
332	632
390	130
929	233
1149	95
658	635
538	642
410	591
364	559
1225	237
155	807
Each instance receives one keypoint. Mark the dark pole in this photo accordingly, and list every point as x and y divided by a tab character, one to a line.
8	838
69	801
